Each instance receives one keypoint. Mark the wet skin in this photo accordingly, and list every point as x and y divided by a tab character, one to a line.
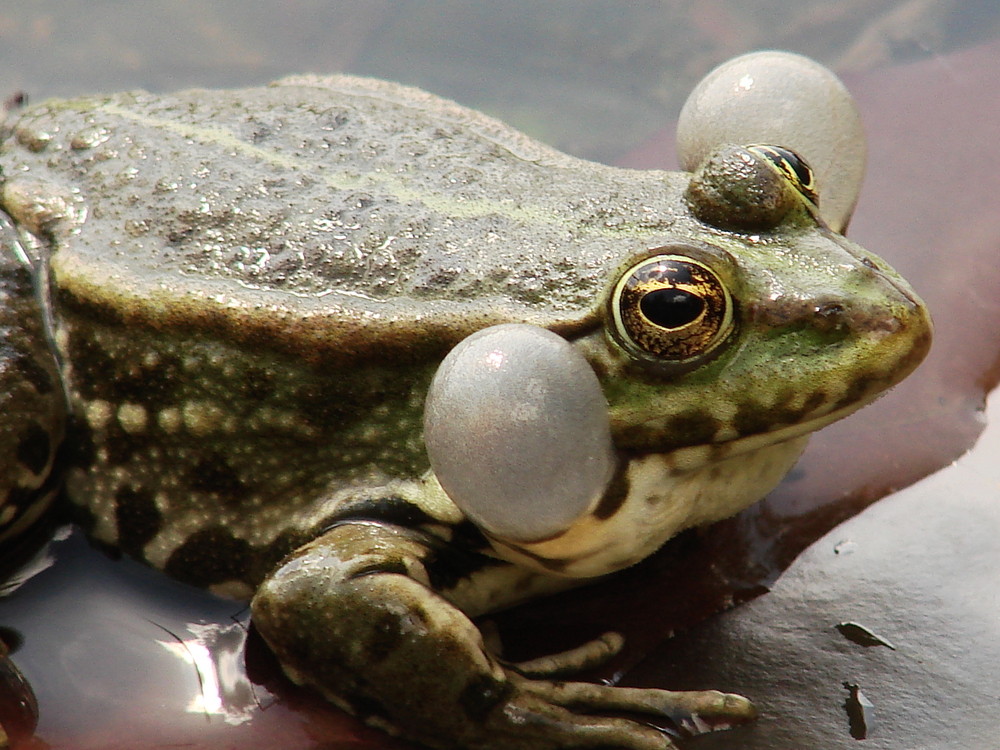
221	313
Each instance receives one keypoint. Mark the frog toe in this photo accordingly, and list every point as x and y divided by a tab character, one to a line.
587	656
698	711
548	716
349	615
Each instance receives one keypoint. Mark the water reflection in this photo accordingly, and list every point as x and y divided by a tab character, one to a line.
215	652
113	648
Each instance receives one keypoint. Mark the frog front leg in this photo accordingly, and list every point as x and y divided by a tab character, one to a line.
353	613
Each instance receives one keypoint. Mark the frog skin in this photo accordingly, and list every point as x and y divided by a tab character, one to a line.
223	310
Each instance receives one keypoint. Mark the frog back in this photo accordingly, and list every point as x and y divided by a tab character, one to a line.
335	216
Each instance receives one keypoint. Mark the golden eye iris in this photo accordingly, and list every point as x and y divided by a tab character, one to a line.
672	308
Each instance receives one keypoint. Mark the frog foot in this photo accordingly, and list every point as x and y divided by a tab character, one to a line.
354	614
696	711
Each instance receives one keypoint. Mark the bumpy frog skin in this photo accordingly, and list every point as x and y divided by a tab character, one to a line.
222	312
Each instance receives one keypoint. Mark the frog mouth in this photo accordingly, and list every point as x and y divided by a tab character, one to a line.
773	427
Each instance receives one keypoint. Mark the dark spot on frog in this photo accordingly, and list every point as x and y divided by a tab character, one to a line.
122	447
324	410
34	373
613	498
79	444
693	428
383	637
816	399
91	364
209	557
138	519
150	386
256	384
34	448
858	387
754	419
482	696
212	474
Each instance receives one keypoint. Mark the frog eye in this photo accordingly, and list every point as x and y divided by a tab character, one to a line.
671	309
787	99
517	432
792	167
750	187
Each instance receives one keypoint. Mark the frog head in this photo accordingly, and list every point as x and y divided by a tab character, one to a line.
752	324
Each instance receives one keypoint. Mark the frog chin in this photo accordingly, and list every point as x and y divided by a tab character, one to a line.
657	495
654	497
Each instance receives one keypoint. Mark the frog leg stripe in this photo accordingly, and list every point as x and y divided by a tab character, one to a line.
393	510
447	561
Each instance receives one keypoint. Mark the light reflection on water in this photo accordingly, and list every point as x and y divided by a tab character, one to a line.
215	652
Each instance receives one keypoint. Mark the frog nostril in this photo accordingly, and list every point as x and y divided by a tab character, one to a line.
830	308
832	317
830	311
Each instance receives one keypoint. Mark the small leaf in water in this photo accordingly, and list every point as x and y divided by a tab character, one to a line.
857	633
860	712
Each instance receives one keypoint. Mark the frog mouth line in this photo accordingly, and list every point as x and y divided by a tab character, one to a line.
861	391
694	453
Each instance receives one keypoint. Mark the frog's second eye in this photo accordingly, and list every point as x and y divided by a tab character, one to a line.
750	188
794	168
671	309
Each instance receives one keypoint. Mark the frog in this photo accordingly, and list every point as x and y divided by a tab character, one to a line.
382	365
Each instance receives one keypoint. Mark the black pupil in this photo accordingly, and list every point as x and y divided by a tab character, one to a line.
671	308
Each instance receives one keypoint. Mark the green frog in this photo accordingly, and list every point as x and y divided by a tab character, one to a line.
380	365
